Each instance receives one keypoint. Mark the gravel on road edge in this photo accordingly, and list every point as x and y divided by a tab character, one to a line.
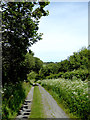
51	108
25	110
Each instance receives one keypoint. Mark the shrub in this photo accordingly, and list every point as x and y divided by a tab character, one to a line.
79	74
39	81
12	99
73	95
31	75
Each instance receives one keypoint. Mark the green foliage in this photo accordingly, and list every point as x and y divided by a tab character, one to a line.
63	66
48	69
38	77
39	81
32	63
20	22
43	72
29	63
79	59
38	64
72	94
13	98
76	65
37	106
82	74
53	68
32	66
31	75
51	76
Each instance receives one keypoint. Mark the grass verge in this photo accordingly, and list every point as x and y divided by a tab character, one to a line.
61	105
37	106
13	98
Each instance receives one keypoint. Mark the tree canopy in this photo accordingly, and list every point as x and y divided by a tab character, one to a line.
20	22
76	65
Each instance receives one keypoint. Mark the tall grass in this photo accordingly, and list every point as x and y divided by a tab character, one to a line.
12	98
72	94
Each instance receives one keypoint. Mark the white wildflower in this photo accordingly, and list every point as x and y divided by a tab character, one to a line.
4	89
11	95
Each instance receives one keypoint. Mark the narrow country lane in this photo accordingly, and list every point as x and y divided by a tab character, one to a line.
51	108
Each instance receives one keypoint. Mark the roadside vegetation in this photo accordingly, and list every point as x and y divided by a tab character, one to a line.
20	24
72	94
76	65
13	98
67	82
37	110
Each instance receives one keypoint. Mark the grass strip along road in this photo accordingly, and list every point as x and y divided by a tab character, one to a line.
37	106
44	106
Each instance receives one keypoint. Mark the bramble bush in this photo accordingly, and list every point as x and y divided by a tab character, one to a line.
73	94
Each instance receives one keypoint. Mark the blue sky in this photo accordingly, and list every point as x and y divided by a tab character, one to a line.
65	31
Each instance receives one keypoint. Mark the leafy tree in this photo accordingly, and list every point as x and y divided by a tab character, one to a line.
79	59
31	75
20	22
63	66
52	68
38	64
32	63
83	53
74	61
29	63
44	71
76	65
